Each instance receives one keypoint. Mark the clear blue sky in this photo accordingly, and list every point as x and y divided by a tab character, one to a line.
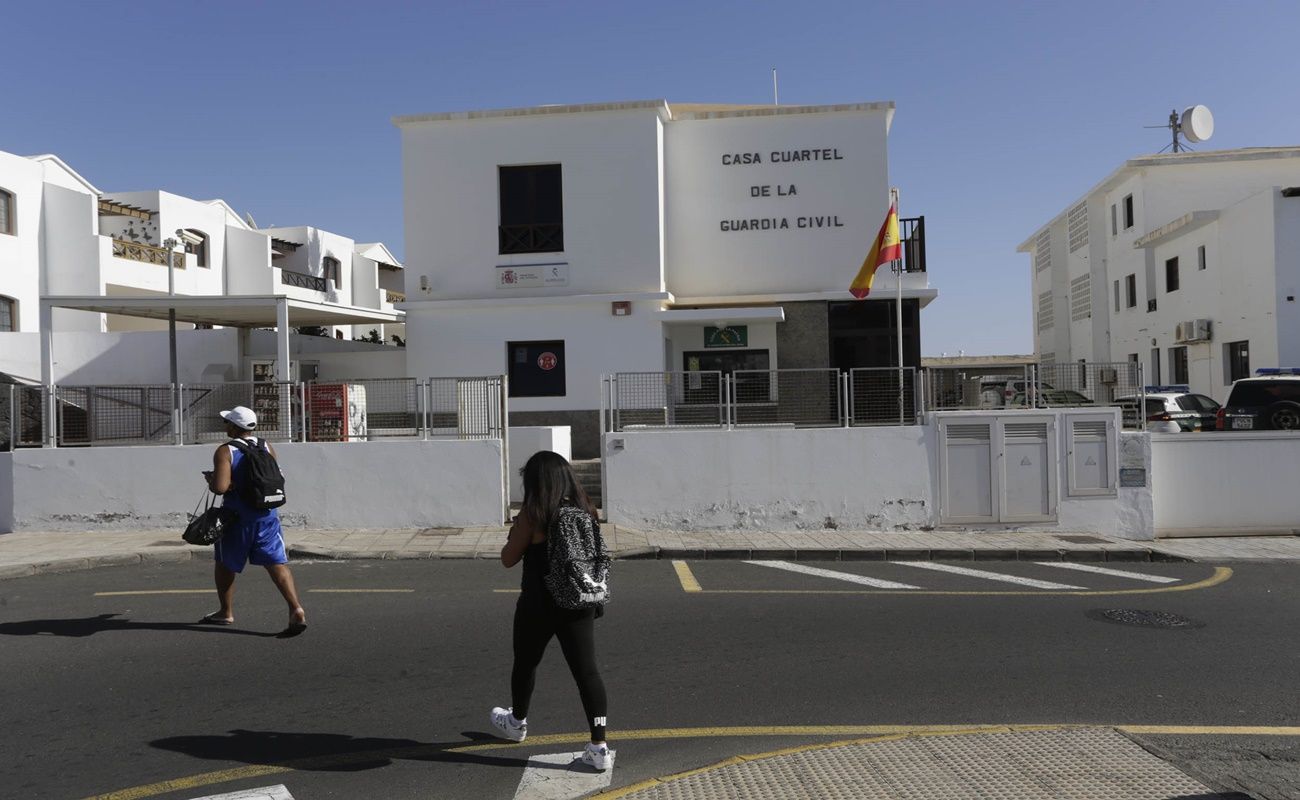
1006	111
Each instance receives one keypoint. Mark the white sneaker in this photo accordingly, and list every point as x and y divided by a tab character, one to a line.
598	756
504	721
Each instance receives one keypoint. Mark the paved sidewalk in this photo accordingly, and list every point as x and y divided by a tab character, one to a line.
31	553
1084	763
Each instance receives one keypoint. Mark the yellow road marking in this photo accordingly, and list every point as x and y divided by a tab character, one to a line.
1220	575
687	578
871	732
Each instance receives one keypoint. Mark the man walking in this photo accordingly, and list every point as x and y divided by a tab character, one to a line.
256	536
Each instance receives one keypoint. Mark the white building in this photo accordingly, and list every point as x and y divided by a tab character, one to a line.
560	243
1188	263
60	236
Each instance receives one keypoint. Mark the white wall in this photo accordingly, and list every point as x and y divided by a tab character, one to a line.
1286	227
811	479
1212	484
848	196
248	262
398	484
471	340
20	253
124	358
610	179
173	212
528	440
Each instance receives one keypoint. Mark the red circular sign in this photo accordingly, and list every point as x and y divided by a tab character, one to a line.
547	361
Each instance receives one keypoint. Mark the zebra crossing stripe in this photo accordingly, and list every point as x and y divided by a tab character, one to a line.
988	576
278	792
839	576
1105	571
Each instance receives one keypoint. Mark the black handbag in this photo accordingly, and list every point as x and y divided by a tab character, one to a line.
211	524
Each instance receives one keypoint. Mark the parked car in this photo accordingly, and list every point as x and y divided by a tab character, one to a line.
1268	401
1171	409
997	391
1053	398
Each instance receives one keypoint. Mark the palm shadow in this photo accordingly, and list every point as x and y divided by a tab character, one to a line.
332	752
101	623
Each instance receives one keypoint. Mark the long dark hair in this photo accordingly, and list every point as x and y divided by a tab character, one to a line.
549	483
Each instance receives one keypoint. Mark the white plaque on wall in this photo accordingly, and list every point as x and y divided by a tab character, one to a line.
532	276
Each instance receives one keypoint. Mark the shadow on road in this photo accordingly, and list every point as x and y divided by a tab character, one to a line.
89	626
332	752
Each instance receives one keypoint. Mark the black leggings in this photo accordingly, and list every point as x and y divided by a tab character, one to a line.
535	624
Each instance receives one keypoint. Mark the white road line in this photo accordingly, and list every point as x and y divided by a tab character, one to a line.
988	576
1104	571
277	792
560	776
839	576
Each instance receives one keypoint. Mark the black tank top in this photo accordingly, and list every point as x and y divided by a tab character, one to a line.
533	585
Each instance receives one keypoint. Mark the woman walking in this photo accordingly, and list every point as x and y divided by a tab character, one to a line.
550	492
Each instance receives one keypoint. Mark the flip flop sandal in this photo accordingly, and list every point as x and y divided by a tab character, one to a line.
214	619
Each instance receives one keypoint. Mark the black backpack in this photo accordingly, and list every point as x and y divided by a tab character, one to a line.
263	484
578	563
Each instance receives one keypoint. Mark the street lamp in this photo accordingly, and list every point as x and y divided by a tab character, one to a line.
170	245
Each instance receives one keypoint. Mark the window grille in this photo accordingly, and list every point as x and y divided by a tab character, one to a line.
1078	226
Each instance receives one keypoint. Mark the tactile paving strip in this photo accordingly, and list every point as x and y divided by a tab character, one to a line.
1072	764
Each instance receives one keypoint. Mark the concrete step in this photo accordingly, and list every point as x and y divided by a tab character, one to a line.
587	472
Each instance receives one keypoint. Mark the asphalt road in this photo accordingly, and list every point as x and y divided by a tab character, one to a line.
106	692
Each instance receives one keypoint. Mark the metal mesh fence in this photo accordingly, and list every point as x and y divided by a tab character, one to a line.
278	407
1088	383
22	416
114	414
466	408
986	386
883	396
667	399
802	398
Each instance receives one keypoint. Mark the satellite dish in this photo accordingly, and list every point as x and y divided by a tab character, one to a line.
1196	124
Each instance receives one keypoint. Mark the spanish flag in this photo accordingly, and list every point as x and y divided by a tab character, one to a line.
886	248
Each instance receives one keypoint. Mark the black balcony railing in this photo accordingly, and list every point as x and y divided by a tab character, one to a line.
302	281
911	232
547	238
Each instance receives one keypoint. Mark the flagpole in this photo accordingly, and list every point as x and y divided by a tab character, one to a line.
898	309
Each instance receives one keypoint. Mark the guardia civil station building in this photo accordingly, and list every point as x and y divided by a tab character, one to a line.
557	244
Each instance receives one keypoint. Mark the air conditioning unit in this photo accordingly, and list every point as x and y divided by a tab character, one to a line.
1193	330
1181	332
1203	330
1108	375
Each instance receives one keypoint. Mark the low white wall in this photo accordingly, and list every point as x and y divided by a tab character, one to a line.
397	484
771	479
1212	484
527	440
832	478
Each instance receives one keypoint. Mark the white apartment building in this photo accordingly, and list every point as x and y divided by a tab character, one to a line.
559	243
1188	263
60	236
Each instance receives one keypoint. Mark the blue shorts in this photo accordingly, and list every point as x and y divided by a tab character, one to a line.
257	541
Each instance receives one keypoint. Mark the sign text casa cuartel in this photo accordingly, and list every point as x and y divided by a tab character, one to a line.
779	190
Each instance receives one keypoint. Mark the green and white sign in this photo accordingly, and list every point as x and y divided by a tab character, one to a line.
730	336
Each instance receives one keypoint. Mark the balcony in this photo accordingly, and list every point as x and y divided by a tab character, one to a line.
310	282
911	232
146	253
547	238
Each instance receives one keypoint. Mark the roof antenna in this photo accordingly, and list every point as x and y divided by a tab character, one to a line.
1196	124
249	219
775	100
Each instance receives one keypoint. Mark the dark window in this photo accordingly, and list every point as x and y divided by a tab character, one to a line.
1238	358
532	209
536	369
1155	365
6	212
1131	290
333	271
8	319
1196	402
1114	225
1117	295
1178	364
199	249
1171	275
1200	257
1264	393
1128	211
1133	357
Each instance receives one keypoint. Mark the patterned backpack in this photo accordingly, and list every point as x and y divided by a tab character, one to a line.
578	575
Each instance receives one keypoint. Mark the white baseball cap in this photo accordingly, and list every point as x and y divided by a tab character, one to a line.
240	417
